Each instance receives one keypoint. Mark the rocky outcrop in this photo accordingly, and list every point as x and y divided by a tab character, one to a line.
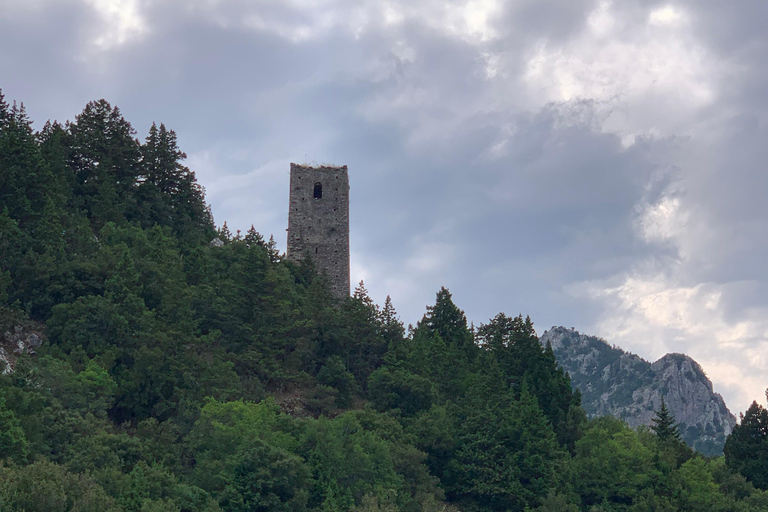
622	384
17	341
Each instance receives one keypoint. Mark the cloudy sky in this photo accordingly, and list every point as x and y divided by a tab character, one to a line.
594	164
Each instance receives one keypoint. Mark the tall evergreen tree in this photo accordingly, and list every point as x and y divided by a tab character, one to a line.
368	343
391	327
169	190
449	322
3	110
105	159
664	424
24	177
524	362
746	449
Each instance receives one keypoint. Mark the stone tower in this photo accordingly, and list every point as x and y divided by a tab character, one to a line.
318	221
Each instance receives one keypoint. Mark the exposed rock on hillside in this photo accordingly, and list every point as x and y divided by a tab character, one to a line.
19	340
626	386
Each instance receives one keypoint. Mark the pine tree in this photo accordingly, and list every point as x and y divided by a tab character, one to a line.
3	110
664	424
361	295
274	253
392	328
169	190
746	449
24	177
54	144
225	234
450	322
253	238
105	159
524	362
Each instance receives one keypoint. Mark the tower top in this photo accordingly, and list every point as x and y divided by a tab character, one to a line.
321	167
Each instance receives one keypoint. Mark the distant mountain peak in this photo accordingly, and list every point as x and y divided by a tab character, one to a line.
619	383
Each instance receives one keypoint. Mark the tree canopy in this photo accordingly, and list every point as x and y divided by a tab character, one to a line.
184	368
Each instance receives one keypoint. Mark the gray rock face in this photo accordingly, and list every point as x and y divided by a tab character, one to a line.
15	343
621	384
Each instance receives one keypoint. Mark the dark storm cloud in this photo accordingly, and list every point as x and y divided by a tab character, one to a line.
415	129
39	57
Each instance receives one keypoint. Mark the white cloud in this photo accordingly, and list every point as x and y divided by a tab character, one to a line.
650	314
431	257
638	73
601	20
122	21
667	16
662	221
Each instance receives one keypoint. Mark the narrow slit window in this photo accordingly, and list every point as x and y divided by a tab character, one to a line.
318	190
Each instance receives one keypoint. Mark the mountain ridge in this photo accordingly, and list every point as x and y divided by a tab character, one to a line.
615	382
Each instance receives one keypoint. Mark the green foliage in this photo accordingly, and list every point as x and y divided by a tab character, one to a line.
664	424
699	490
47	487
746	449
612	465
400	390
225	430
266	478
507	455
524	363
13	442
556	503
348	461
335	374
449	322
170	364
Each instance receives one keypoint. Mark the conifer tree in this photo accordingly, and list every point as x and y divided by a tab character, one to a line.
54	144
169	190
450	322
105	159
253	238
274	253
3	110
225	234
746	449
524	362
664	424
24	177
391	327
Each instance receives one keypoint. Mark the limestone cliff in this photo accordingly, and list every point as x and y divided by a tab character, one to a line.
626	386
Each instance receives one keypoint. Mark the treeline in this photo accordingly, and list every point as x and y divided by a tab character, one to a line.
187	368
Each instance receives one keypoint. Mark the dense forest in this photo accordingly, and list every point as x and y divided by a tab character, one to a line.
187	368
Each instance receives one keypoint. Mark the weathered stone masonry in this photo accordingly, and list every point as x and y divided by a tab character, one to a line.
318	221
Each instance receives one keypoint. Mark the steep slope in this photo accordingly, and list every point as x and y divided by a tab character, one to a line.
624	385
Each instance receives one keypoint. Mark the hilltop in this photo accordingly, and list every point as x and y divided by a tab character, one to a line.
621	384
154	362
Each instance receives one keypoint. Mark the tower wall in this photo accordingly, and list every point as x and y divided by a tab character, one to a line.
319	226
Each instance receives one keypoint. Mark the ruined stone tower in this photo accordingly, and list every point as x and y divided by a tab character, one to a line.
318	221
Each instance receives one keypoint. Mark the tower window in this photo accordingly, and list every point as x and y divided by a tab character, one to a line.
318	190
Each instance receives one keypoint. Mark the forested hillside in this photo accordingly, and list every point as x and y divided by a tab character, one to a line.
181	367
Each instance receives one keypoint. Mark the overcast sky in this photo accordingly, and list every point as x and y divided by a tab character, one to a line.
593	164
